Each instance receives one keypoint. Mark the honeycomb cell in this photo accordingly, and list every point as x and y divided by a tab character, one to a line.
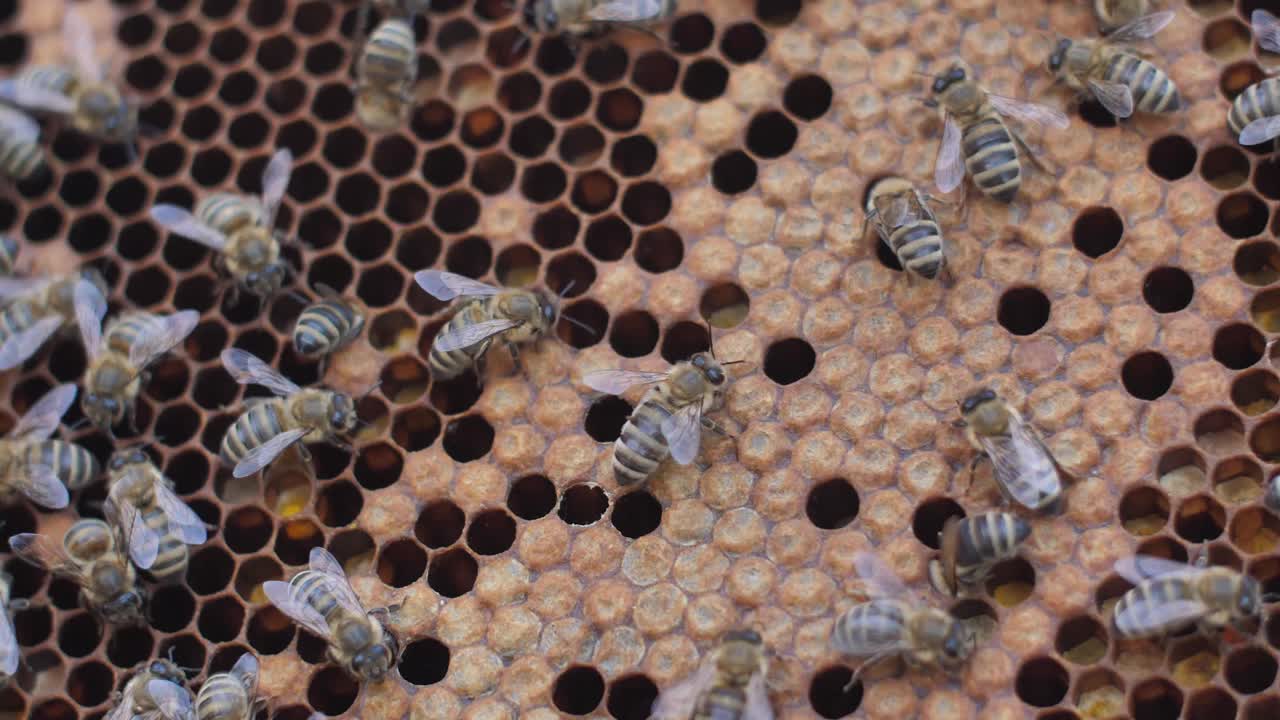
1211	703
432	120
733	172
619	109
608	238
683	340
1257	263
1266	177
583	504
1147	375
659	250
1226	167
771	135
401	563
578	690
491	532
594	191
295	541
581	145
605	418
270	631
1238	346
543	182
634	334
440	524
1023	310
531	497
425	661
452	573
568	99
456	211
704	80
332	691
1172	157
832	504
605	63
216	566
1254	531
129	646
1081	640
1242	215
1155	699
482	127
636	514
1144	510
1168	289
831	695
789	361
930	517
1097	231
531	137
56	709
79	635
90	683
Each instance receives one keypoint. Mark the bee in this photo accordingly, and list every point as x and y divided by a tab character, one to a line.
241	229
1113	14
21	156
895	622
1023	468
386	73
10	654
38	468
1272	497
584	18
326	326
670	417
160	523
512	316
1255	113
34	309
82	93
1118	79
120	353
906	224
729	685
976	138
8	244
271	425
95	556
158	692
972	546
231	695
1168	596
321	600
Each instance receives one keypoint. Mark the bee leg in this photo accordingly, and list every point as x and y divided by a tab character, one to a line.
857	674
1026	150
715	427
516	367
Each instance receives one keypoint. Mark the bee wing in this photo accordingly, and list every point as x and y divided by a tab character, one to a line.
182	519
40	551
262	455
1266	27
948	170
246	368
181	221
447	286
18	125
899	207
161	335
15	287
39	99
41	485
1115	97
683	431
678	701
275	179
90	307
281	595
1139	568
1029	112
143	541
246	671
616	382
1260	130
77	39
123	709
23	345
1022	465
172	700
458	338
321	561
1145	611
879	579
757	707
1147	26
42	418
626	11
9	653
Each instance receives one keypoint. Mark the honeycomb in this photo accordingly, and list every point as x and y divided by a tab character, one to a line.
707	183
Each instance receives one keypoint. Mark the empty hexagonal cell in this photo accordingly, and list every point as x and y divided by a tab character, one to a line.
531	497
248	529
659	250
1265	440
404	379
1023	310
128	647
332	691
578	690
1147	375
1265	311
216	566
789	361
1242	215
1041	682
491	532
220	619
1255	392
704	80
831	695
608	238
583	504
468	438
605	418
90	683
1220	432
929	518
79	634
1225	167
733	172
1172	157
1144	510
1261	708
33	625
452	573
1250	669
1199	519
832	504
296	539
425	661
1155	699
1108	593
415	429
1258	263
440	524
401	563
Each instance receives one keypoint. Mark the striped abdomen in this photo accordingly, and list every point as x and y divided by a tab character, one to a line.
325	327
88	540
641	446
991	158
222	697
390	55
20	156
74	466
16	317
870	628
228	212
721	703
986	539
313	589
1152	90
918	245
445	365
8	254
1150	596
171	559
1259	100
258	424
50	77
123	332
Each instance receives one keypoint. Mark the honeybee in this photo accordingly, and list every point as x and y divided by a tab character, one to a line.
1113	14
21	156
97	559
386	73
34	309
895	622
1255	113
1169	596
82	93
321	600
10	654
976	138
38	468
589	17
230	695
120	354
326	326
512	316
971	546
729	685
8	248
241	229
670	417
271	425
1121	81
907	225
158	692
1023	468
160	523
1272	497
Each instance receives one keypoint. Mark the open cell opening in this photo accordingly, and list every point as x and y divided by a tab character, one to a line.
332	691
89	684
1081	640
583	504
1255	531
1242	215
1266	177
452	573
659	250
1219	432
296	539
789	361
401	563
578	690
1144	510
1147	375
491	532
1155	699
1225	167
630	697
655	72
594	191
1255	392
378	466
930	517
404	379
590	318
1172	157
1011	582
830	694
440	524
1041	682
832	504
605	418
608	238
1237	480
1258	263
425	661
79	635
683	340
220	619
633	156
1023	311
1097	231
733	172
1265	313
581	145
634	334
771	134
1238	346
1199	519
531	497
415	429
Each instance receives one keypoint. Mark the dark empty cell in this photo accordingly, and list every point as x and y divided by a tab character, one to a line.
581	145
308	182
1097	231
313	18
332	691
568	99
339	504
1147	375
210	167
311	649
43	223
164	160
418	248
176	425
519	92
415	429
1242	215
401	563
531	136
507	47
455	395
344	147
285	96
468	438
378	466
555	55
1168	289
1258	263
1238	346
470	257
491	532
90	684
1093	113
517	266
605	418
324	58
608	238
432	120
606	63
493	173
1172	157
1250	670
832	504
724	306
1235	78
125	197
777	12
129	646
265	13
630	697
530	497
456	211
215	568
583	504
556	228
247	530
380	286
146	73
570	274
705	80
659	250
1225	167
692	33
482	127
227	46
1041	682
807	97
1211	703
368	240
319	228
425	661
171	608
594	191
787	361
636	514
56	709
357	194
457	37
392	157
439	524
1023	310
299	137
771	134
830	694
452	573
443	166
578	690
89	233
79	635
634	334
181	38
238	88
79	188
220	620
136	30
71	146
655	72
733	172
1155	699
331	270
1266	178
619	109
743	42
296	539
201	123
332	102
1199	520
589	320
33	625
192	81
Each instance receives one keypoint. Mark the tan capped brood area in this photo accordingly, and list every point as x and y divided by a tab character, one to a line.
1124	304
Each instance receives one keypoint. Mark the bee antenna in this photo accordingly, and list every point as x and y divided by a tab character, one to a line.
578	323
297	296
372	387
173	649
733	362
711	339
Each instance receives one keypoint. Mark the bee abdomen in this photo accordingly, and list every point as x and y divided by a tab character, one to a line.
254	427
919	247
986	539
721	703
221	696
446	365
1152	90
992	159
21	158
171	559
314	590
1259	100
14	318
1151	595
389	56
864	629
228	212
87	539
49	77
323	327
641	447
120	335
74	466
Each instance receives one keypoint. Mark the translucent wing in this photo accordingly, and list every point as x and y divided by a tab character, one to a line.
286	601
246	671
16	287
458	338
180	221
897	210
616	382
1023	466
39	99
879	579
23	345
274	181
1116	98
41	485
326	564
1152	612
172	700
123	709
1266	27
948	171
143	541
40	551
42	418
91	307
182	519
1029	112
77	39
1148	25
262	455
246	368
161	335
757	707
1260	130
1140	568
18	125
447	286
683	431
678	701
624	11
9	653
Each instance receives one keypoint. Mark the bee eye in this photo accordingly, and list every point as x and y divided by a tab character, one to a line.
715	375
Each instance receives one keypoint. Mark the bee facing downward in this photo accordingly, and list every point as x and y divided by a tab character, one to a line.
1168	596
160	524
729	685
1120	80
1254	116
231	695
21	156
157	692
95	556
32	310
10	653
1024	469
906	224
326	326
38	468
386	72
972	546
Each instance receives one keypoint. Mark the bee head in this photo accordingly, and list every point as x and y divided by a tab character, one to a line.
126	457
747	636
711	369
167	670
957	646
374	663
1249	602
1059	54
541	15
974	401
342	413
102	410
952	76
125	608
